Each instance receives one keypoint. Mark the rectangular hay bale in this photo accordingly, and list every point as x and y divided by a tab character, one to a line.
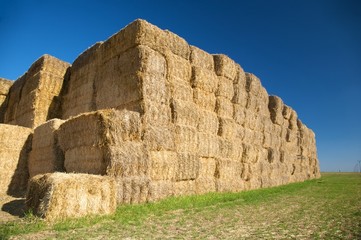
57	196
46	155
15	145
201	58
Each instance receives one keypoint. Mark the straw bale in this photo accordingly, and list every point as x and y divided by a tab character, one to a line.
225	88
159	138
125	81
225	147
251	154
267	124
78	100
163	165
4	90
248	135
83	130
276	108
267	140
252	120
178	69
240	94
184	188
13	100
224	107
104	142
201	58
46	156
239	114
184	113
85	159
240	132
154	85
57	196
98	128
129	158
240	77
204	79
127	124
291	135
293	120
181	91
246	173
253	84
188	167
224	66
186	139
205	182
15	145
208	145
140	32
208	122
273	155
253	103
258	138
33	97
156	113
159	190
133	189
204	99
227	128
228	175
5	85
237	150
286	112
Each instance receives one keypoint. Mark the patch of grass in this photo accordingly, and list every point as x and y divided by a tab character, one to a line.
326	208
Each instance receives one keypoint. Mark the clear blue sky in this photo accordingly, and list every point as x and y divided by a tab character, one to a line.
308	52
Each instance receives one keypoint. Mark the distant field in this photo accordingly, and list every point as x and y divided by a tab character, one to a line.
326	208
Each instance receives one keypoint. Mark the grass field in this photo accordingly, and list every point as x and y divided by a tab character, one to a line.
326	208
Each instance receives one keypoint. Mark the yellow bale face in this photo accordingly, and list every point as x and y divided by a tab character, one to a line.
15	145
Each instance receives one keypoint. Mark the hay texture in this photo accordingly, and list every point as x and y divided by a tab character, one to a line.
4	90
57	196
107	142
32	99
46	155
15	145
164	118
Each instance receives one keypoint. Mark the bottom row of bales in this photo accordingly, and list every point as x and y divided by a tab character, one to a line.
95	161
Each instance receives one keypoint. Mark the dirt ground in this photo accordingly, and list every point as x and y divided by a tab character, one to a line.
12	208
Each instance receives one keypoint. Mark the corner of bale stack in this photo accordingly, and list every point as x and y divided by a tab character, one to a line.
56	196
32	99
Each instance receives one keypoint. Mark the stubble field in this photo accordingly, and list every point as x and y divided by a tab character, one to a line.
325	208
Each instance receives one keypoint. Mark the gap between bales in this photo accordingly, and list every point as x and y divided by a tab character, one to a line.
329	201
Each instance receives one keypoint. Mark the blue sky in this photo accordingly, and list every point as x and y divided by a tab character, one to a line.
308	52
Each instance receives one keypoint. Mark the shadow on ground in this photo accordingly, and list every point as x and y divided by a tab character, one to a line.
15	208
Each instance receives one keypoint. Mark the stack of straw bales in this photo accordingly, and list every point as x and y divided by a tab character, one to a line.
108	142
15	144
206	124
33	98
4	90
159	116
55	196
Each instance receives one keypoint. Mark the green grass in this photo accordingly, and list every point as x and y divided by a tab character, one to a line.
326	208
